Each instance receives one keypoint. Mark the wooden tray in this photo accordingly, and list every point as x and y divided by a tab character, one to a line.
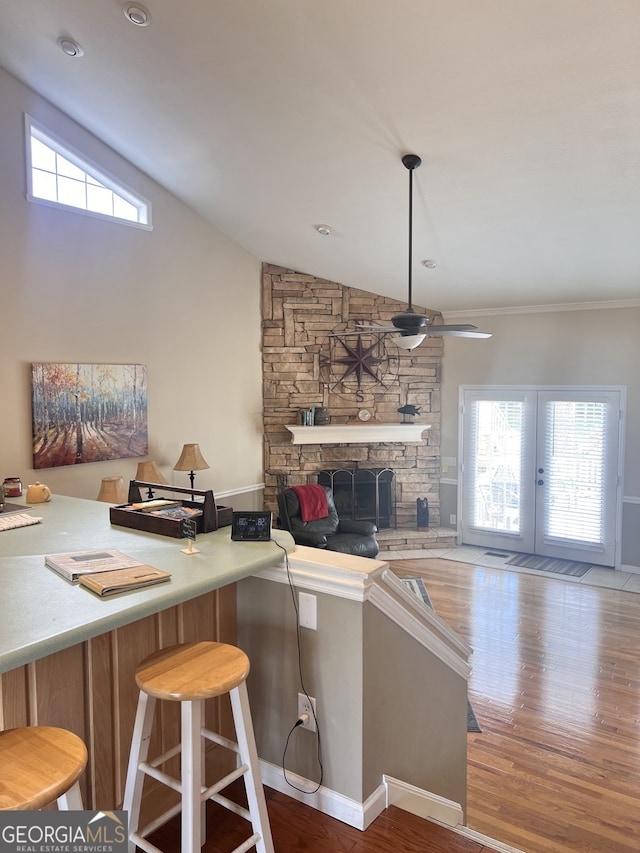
212	517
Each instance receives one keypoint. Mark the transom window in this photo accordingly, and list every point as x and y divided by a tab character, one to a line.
56	174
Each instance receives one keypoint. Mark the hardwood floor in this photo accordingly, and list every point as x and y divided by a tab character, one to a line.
296	826
556	688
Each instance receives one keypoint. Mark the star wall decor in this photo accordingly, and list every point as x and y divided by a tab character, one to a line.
359	361
352	361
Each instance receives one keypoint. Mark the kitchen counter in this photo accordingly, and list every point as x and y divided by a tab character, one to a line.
41	613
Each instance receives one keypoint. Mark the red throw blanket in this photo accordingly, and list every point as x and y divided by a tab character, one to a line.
313	502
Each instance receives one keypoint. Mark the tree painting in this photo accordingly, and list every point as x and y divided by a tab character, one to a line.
88	412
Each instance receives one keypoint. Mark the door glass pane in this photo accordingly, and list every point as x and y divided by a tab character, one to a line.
574	471
496	474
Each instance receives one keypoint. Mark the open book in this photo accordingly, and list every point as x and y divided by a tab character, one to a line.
108	583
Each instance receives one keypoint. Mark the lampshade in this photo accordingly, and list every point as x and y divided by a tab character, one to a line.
112	490
148	472
191	459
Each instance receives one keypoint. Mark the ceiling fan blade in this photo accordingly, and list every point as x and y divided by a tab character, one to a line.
373	327
361	330
456	327
452	332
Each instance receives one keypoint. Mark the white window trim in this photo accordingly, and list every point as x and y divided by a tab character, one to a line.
34	128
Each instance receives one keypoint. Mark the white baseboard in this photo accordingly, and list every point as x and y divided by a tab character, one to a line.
391	792
422	803
358	815
439	810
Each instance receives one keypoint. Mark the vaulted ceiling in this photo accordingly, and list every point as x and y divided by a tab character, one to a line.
270	117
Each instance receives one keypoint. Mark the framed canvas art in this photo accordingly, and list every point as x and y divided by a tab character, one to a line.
88	412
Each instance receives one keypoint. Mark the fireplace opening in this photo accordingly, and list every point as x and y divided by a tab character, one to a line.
365	494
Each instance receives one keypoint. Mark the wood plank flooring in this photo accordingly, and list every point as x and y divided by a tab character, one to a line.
556	688
296	826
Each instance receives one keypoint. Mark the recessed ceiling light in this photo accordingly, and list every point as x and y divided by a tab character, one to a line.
429	263
325	230
137	14
69	46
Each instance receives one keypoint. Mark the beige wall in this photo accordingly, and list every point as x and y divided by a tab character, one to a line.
78	289
385	703
591	347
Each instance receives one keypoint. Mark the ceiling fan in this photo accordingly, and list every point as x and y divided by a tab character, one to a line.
409	327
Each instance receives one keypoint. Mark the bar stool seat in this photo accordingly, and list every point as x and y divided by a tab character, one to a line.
40	764
189	673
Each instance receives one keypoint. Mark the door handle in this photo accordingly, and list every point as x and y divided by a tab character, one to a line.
541	482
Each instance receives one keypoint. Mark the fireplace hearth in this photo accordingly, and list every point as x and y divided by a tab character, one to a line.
365	494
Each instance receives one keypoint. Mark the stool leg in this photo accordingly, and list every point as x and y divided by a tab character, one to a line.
249	756
192	828
71	800
139	752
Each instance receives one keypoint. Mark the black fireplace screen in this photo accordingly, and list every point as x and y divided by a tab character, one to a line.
366	494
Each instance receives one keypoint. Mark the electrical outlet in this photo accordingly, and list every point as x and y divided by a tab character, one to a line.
308	610
307	705
453	520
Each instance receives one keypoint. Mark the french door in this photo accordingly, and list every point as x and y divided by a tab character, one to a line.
540	471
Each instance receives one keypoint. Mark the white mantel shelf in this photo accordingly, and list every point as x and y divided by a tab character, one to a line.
357	433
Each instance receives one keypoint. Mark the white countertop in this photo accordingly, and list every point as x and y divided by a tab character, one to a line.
41	613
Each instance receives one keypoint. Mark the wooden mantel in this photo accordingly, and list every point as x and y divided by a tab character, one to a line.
357	433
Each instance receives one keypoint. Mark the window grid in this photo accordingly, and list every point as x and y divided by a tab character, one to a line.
59	176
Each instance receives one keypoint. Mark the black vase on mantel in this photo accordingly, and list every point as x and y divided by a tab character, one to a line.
322	416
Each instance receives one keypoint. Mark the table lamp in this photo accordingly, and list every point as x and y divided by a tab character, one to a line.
191	459
148	472
112	491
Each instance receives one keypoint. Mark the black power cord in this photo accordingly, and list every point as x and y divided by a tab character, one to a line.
304	690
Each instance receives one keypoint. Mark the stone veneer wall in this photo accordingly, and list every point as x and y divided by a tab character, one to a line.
299	311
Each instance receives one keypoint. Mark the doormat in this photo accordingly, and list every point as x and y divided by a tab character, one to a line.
417	587
549	564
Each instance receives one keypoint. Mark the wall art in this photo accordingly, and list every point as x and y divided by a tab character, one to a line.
88	412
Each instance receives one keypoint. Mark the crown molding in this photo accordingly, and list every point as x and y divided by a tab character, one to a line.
543	309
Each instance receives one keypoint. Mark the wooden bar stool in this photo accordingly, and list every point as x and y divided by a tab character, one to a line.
190	673
40	764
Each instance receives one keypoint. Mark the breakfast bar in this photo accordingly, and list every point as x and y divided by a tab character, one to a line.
67	656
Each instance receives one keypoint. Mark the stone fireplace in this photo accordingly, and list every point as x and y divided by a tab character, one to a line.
300	315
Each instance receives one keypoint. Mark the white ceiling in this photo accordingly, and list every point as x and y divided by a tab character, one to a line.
269	117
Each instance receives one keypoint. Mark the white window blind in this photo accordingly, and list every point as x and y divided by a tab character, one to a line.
575	470
497	447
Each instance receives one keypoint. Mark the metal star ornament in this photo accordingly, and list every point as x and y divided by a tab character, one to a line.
359	360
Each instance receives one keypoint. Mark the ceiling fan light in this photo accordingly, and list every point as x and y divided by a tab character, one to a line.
408	342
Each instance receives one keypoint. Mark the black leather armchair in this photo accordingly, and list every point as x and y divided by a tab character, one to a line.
333	533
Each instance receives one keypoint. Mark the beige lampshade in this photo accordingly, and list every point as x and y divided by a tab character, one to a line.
191	459
112	490
148	472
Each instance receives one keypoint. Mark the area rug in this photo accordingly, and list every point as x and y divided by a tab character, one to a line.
416	585
549	564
